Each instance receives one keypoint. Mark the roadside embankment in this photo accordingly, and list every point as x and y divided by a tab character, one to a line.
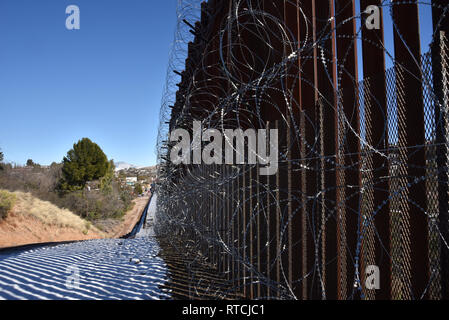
115	229
32	220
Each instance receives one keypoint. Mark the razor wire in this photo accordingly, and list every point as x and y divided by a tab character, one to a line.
215	212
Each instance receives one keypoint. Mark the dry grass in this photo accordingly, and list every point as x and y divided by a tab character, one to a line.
7	201
49	214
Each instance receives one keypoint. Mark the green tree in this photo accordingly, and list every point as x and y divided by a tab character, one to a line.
30	163
122	175
108	179
54	165
138	188
85	162
1	160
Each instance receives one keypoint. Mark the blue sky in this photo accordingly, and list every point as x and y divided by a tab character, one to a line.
104	81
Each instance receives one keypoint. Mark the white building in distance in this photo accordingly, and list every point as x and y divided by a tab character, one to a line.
131	181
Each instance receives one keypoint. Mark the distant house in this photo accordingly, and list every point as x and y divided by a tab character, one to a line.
131	181
93	185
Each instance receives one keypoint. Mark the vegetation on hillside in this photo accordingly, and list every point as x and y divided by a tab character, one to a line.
83	183
138	188
30	163
7	201
48	213
1	160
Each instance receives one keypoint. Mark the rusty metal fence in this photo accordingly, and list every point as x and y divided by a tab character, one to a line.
358	208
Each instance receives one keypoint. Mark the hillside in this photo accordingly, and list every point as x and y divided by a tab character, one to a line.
116	228
123	166
35	221
136	170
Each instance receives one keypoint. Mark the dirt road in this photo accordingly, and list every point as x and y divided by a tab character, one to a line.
131	218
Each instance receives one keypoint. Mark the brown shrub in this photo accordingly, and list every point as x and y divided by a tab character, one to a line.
7	201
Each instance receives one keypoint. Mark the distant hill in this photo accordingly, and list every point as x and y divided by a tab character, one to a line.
123	166
119	166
